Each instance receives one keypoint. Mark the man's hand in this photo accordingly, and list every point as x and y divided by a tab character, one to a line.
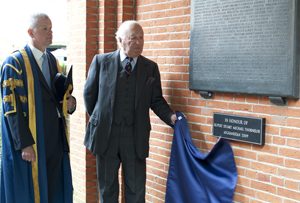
70	102
28	154
173	118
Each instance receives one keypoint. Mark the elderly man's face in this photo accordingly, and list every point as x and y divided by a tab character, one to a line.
42	34
134	41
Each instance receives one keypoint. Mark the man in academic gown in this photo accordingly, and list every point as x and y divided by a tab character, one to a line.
35	165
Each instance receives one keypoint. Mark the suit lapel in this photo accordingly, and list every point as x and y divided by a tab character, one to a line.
111	67
41	75
43	82
42	79
141	77
52	67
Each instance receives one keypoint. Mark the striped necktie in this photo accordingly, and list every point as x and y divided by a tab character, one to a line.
128	67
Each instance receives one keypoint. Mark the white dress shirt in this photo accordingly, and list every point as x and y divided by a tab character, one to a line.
37	55
124	60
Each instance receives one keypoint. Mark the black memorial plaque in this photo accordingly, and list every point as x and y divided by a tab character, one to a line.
245	46
240	128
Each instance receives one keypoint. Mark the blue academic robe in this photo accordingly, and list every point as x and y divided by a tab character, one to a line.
22	181
195	177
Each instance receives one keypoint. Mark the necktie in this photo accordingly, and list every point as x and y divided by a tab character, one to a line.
128	67
45	70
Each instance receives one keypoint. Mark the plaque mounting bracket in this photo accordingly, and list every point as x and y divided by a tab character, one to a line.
277	100
205	94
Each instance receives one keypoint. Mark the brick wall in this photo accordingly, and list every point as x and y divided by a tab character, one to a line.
269	173
82	45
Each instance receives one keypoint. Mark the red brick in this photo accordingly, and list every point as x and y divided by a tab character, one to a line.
289	173
179	52
240	107
251	174
275	131
293	122
162	6
145	9
187	11
265	100
160	14
240	198
268	197
266	148
290	132
243	181
178	69
277	181
291	163
161	37
276	120
186	60
161	30
178	61
283	111
174	12
177	84
206	129
262	109
245	191
289	194
264	168
293	102
263	177
252	99
242	162
161	53
240	98
293	185
294	113
178	36
174	44
178	4
161	22
290	201
228	97
293	143
217	104
193	110
197	119
264	187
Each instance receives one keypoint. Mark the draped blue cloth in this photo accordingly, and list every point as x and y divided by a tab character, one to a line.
195	177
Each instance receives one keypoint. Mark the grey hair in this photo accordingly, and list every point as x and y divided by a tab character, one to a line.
121	33
34	18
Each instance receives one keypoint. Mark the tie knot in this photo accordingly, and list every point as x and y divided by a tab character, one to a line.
44	56
130	59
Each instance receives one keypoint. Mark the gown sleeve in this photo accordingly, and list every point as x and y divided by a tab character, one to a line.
14	104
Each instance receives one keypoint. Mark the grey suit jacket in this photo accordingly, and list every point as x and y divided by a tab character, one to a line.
99	97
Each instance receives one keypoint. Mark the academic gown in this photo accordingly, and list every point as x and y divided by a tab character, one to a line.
22	181
195	177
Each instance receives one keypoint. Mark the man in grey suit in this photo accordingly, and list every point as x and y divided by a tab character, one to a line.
120	88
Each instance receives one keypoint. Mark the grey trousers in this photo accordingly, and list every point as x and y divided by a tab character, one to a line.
121	150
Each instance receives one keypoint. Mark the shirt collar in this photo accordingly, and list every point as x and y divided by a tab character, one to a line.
36	53
123	56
